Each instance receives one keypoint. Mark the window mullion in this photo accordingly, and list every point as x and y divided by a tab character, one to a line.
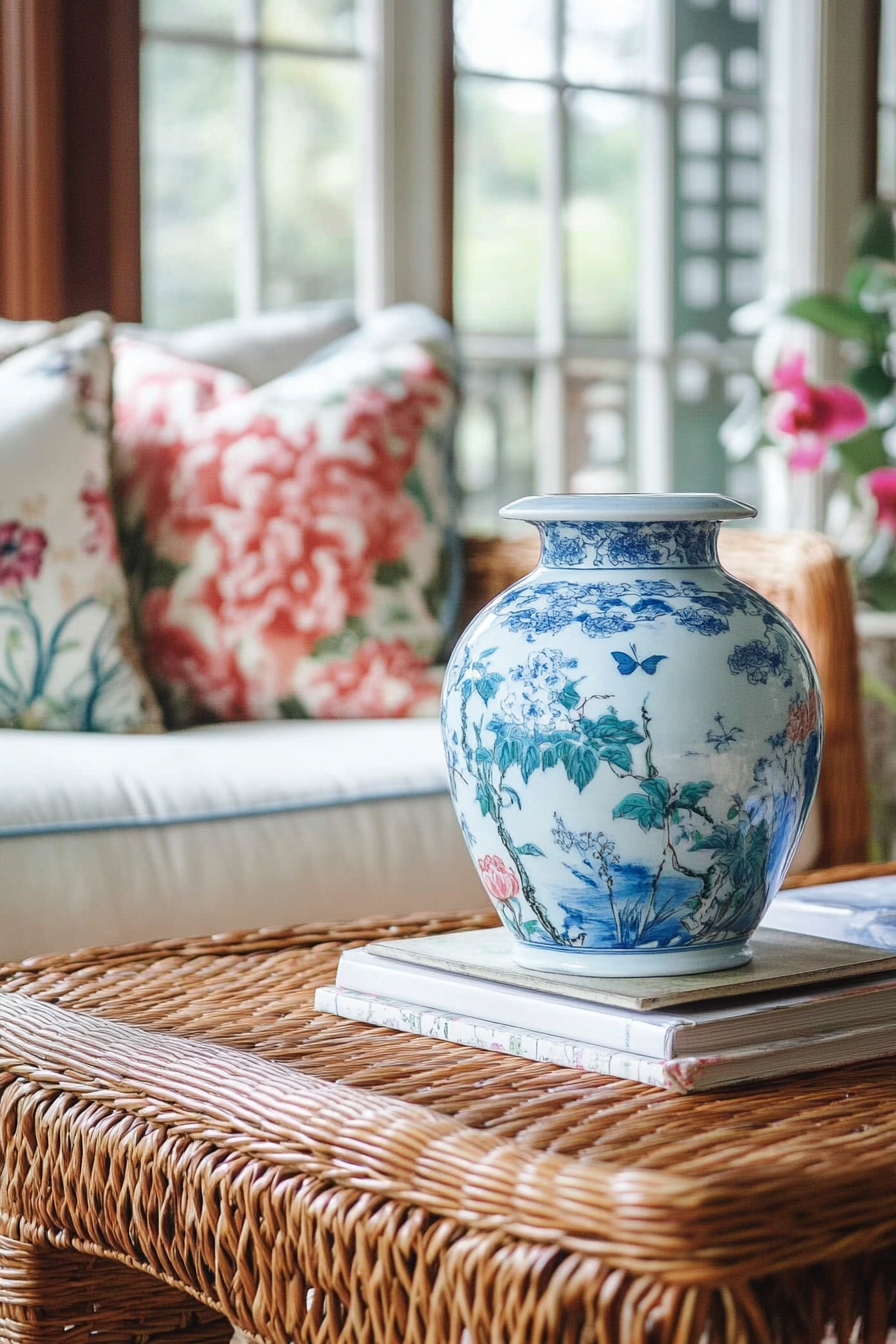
653	417
551	455
248	252
375	269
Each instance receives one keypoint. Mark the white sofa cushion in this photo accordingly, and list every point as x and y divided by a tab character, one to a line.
118	839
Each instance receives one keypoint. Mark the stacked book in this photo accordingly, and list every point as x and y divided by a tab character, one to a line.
802	1003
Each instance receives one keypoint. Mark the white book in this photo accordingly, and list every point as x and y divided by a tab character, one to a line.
862	912
574	1007
686	1074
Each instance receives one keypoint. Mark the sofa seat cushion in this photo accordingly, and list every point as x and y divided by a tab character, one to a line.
118	838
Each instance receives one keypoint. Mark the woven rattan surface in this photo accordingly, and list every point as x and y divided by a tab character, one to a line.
311	1178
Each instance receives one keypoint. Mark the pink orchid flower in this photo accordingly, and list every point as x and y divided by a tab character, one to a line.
882	484
812	417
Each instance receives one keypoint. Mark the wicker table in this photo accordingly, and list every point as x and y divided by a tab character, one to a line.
187	1145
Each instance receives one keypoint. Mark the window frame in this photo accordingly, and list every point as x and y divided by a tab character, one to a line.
69	158
69	210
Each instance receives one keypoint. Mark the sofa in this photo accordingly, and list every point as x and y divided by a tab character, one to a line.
114	837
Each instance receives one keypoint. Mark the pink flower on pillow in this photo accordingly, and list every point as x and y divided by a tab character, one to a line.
391	426
298	532
811	417
21	553
103	540
383	680
211	677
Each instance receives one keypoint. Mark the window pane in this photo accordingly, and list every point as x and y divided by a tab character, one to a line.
598	416
329	23
606	42
189	184
718	173
499	217
602	213
512	37
886	153
495	461
200	16
887	68
704	396
309	175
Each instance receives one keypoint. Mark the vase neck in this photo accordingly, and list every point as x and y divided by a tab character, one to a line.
592	545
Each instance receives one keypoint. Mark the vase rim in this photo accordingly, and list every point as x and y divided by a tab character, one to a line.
643	508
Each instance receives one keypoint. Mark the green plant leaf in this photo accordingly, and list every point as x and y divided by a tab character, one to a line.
413	486
838	316
436	590
569	696
879	590
507	753
643	810
658	789
392	573
873	234
857	278
530	851
617	754
862	452
871	381
487	686
721	839
689	795
530	762
291	707
580	762
870	282
609	728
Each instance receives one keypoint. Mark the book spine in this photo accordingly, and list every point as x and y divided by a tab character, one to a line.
459	1030
521	1009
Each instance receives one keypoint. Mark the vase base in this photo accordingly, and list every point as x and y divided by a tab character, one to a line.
632	964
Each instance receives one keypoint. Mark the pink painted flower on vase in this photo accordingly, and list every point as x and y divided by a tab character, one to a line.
882	484
811	417
21	552
501	883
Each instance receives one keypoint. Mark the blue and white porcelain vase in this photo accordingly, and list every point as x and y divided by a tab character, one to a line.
633	740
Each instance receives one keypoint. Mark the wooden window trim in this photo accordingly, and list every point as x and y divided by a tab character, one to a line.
69	158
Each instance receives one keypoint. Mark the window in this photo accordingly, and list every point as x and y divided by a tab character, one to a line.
886	93
251	114
608	220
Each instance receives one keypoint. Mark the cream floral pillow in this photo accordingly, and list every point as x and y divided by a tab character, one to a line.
67	656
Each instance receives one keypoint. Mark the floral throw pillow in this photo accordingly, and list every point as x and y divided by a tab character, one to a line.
67	654
290	546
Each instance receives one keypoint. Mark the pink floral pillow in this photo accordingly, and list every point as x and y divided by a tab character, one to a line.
68	654
290	545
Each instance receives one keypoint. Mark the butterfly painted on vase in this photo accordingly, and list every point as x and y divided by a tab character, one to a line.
627	663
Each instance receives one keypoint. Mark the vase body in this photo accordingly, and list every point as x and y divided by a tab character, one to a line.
633	740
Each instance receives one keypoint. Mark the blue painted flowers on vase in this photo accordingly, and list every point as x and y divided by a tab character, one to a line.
631	807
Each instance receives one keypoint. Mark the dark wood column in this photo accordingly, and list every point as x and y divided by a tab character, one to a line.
31	209
69	157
